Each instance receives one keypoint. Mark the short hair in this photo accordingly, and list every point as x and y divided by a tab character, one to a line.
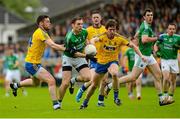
41	18
173	25
147	10
95	12
75	19
111	23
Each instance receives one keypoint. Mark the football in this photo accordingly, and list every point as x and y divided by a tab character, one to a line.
90	50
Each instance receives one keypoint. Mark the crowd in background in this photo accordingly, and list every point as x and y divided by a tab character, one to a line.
129	15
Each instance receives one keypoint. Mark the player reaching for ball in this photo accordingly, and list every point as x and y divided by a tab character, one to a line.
107	61
75	41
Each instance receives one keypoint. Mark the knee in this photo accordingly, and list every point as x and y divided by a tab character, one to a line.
51	82
86	78
114	74
65	83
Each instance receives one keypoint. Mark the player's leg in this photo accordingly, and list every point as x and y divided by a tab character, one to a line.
66	76
138	87
156	72
8	80
17	75
174	71
136	71
103	84
85	73
95	82
113	70
165	67
129	87
86	84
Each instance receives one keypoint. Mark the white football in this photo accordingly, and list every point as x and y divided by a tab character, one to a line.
90	49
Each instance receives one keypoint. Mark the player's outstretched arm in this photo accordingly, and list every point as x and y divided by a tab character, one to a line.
55	46
146	39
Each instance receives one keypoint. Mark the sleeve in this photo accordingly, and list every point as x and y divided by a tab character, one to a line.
124	41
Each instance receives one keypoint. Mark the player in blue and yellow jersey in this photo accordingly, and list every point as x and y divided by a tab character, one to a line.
107	60
37	45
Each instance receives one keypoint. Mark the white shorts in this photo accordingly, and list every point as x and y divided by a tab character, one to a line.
141	64
69	62
13	75
170	65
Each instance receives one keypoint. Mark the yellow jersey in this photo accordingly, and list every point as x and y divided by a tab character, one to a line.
36	46
92	32
110	48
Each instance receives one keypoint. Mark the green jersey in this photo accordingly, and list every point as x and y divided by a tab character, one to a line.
145	29
77	42
10	62
167	47
131	57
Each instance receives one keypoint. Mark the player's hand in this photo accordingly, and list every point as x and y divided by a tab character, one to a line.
71	50
91	57
144	59
160	38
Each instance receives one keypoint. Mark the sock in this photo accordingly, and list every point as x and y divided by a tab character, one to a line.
83	88
160	96
60	101
101	98
85	102
116	92
109	85
55	102
73	80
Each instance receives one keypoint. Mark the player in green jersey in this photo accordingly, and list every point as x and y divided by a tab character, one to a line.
12	72
76	41
146	39
167	48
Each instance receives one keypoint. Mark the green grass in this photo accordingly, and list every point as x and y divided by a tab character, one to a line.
38	104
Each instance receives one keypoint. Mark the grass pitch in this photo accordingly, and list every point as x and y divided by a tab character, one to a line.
38	104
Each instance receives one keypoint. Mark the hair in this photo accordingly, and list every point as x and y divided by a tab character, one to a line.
111	23
147	10
173	25
95	12
41	18
75	19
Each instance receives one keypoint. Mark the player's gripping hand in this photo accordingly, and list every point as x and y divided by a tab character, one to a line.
72	51
160	38
91	57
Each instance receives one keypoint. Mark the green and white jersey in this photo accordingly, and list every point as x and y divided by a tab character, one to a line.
168	46
10	62
78	42
131	58
145	29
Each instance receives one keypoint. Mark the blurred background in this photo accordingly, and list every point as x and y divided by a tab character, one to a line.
17	23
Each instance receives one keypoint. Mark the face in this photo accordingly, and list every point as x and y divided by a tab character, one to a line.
171	30
111	31
78	25
96	19
148	17
46	24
